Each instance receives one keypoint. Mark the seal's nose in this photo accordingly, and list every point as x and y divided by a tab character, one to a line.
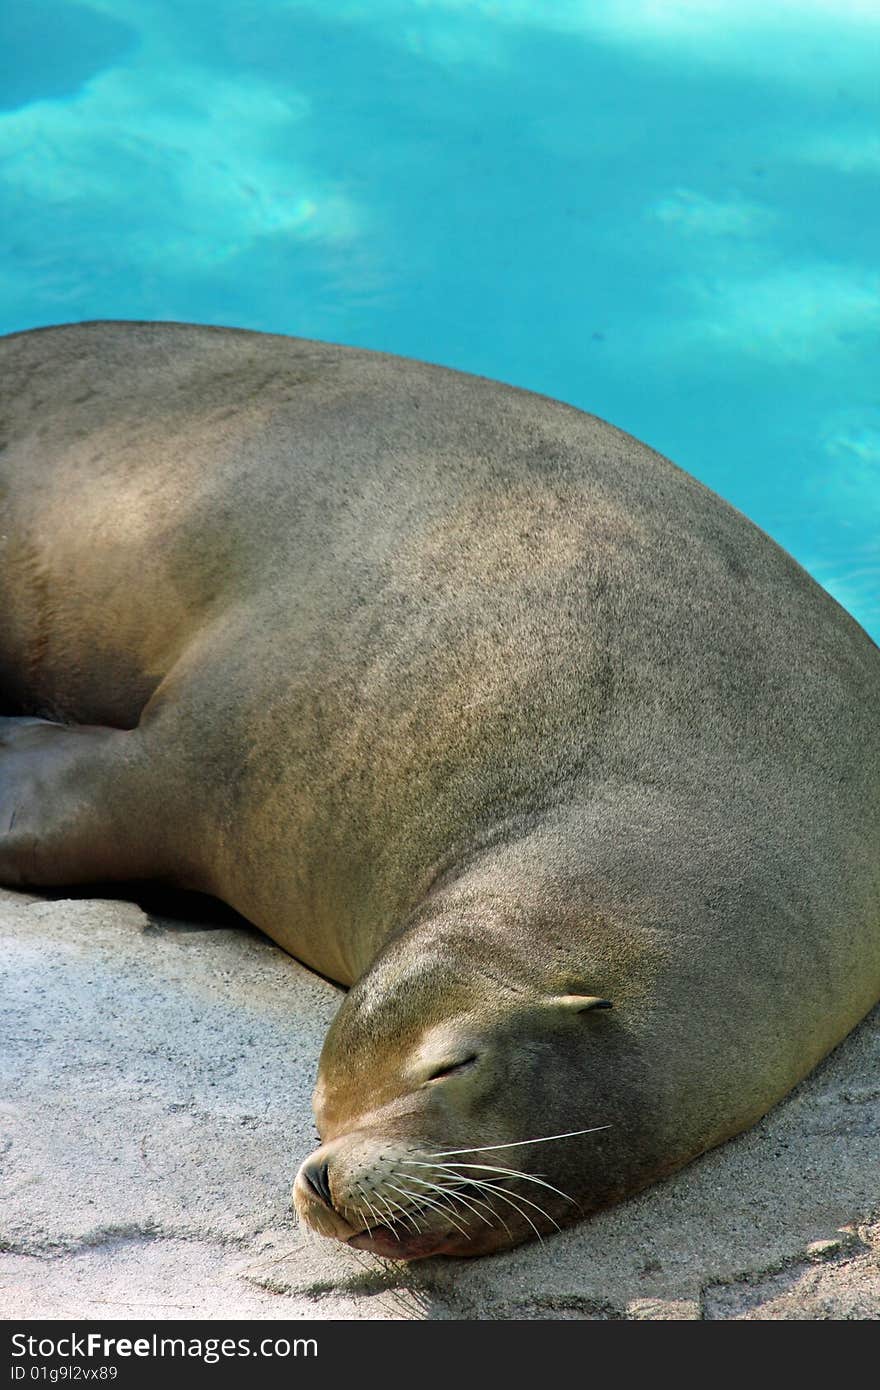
313	1200
317	1175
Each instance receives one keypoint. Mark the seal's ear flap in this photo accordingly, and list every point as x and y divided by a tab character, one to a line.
580	1003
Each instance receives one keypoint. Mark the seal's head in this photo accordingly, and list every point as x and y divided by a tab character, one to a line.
463	1094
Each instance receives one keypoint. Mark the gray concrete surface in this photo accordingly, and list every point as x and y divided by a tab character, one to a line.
155	1082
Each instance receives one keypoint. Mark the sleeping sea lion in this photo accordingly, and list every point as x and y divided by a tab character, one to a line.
474	704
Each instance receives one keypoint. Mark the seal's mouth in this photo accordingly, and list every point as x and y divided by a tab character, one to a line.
392	1246
465	1233
401	1239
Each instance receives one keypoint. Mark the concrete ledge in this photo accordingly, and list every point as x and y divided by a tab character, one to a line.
156	1076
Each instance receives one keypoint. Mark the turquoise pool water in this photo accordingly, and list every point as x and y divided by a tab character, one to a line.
666	213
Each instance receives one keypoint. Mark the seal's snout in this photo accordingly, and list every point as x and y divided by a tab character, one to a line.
316	1173
313	1198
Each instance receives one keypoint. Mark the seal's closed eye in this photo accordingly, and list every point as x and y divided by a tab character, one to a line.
450	1067
580	1003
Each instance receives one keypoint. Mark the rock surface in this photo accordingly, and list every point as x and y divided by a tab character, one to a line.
156	1075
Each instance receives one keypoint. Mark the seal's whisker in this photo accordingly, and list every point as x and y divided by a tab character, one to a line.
454	1180
517	1143
309	1235
408	1214
526	1177
480	1201
450	1195
370	1208
520	1197
504	1172
451	1192
444	1210
356	1218
494	1185
505	1196
423	1201
392	1207
354	1214
278	1259
429	1202
405	1215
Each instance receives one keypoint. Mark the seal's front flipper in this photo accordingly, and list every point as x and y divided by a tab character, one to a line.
70	797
